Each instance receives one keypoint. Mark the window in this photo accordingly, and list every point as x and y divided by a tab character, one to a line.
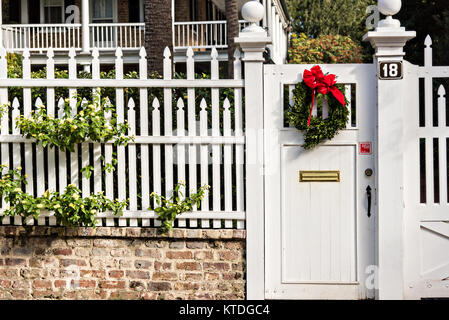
102	11
54	11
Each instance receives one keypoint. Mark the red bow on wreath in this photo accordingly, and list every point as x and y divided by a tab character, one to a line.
318	82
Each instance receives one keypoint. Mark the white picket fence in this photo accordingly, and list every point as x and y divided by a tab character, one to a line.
162	153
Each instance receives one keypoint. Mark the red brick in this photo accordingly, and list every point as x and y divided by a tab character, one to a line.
138	274
60	283
116	274
179	254
204	255
93	273
70	262
42	284
229	255
62	252
165	276
152	253
112	284
159	286
211	266
15	262
186	286
83	283
124	295
189	266
5	283
143	264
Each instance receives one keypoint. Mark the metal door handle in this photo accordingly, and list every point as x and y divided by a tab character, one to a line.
368	194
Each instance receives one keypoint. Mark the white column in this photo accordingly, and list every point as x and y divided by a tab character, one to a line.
85	20
388	39
24	11
253	41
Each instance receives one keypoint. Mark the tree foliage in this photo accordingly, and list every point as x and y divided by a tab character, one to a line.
324	49
426	17
329	17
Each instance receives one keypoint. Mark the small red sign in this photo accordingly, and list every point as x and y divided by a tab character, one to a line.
365	147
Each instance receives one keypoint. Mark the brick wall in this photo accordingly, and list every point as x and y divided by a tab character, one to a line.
121	263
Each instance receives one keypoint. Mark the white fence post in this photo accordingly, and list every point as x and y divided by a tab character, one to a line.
253	41
388	39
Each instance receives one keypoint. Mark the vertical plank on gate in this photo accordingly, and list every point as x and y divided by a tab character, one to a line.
227	161
442	152
180	130
51	153
132	159
216	157
239	149
156	118
62	154
4	120
348	95
119	102
109	177
204	154
191	123
428	85
168	124
74	174
144	148
97	104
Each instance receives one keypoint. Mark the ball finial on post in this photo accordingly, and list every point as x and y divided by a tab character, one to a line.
389	8
253	11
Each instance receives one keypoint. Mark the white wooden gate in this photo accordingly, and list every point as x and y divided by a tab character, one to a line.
319	240
426	241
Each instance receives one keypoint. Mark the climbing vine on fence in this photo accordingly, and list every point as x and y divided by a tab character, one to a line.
69	208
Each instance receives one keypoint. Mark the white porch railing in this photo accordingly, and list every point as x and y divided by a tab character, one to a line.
41	36
112	35
202	34
109	36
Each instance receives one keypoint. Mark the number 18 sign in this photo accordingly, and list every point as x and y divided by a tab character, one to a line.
390	70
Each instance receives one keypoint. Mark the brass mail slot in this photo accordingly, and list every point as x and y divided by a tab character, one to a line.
319	176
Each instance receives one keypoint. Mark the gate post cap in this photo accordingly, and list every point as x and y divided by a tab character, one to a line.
253	11
389	8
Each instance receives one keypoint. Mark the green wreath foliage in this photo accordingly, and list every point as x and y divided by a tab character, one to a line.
320	129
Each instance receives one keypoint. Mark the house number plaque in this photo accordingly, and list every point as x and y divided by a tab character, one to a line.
390	70
319	176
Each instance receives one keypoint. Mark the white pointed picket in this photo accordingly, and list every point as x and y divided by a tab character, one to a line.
144	148
74	175
62	154
168	125
120	110
180	130
216	156
132	167
191	123
97	104
227	161
4	121
109	176
204	154
157	188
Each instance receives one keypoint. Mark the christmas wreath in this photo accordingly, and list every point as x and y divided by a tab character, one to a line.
317	87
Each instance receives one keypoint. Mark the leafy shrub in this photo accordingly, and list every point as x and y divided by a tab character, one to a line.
324	49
